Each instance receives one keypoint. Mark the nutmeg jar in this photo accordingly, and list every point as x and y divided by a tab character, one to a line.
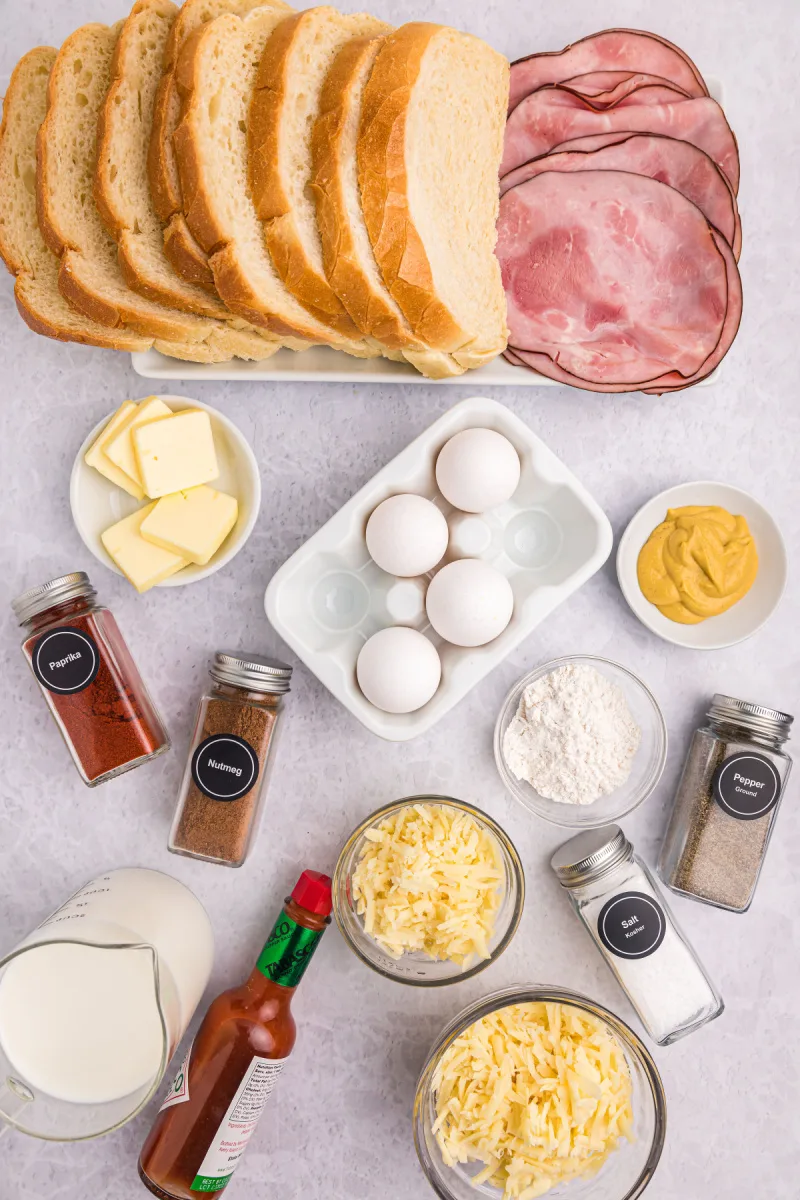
230	758
88	678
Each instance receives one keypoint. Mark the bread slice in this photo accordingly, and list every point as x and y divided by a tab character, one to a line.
285	104
429	148
216	73
89	275
183	250
347	254
22	247
122	186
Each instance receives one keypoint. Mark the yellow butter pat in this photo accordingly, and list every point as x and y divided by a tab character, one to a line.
120	448
193	523
96	455
175	454
144	564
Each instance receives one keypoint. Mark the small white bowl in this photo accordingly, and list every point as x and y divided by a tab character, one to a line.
743	619
97	503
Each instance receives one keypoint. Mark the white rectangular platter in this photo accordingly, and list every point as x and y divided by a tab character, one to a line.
330	596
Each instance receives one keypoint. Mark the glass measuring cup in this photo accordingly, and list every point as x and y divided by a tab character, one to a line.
94	1002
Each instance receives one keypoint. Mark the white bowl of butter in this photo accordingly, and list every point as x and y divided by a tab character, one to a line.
708	583
97	503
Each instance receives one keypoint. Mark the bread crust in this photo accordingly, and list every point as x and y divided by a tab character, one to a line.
186	254
270	197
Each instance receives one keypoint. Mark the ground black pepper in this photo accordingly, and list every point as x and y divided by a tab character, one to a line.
714	847
231	750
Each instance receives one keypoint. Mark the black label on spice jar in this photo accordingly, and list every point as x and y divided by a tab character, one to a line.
747	786
65	660
224	766
632	925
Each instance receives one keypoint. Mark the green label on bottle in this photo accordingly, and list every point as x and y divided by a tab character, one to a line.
287	952
202	1183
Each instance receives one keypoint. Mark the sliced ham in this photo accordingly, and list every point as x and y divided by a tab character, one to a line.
607	88
616	278
554	115
610	50
679	164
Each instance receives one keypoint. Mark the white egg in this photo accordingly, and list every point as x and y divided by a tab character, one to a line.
469	602
398	670
477	470
407	535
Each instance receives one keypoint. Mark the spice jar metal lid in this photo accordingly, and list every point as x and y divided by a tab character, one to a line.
755	717
251	671
46	595
590	854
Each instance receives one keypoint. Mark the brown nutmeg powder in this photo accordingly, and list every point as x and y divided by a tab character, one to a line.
219	829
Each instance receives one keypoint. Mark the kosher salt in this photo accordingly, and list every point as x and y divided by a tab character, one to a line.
618	900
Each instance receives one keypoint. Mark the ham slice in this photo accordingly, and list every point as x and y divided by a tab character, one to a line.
615	278
611	50
679	164
554	115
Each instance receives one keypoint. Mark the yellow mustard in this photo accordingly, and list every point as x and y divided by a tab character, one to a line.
697	563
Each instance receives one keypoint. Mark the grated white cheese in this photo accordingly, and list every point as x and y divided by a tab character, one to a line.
430	879
540	1093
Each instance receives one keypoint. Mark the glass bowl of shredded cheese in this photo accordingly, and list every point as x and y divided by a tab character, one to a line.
428	890
538	1091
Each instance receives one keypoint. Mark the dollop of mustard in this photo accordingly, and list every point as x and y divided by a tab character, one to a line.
697	563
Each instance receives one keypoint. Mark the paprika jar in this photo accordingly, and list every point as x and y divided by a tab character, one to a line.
230	758
87	676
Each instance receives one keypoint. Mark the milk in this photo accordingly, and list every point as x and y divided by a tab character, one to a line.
81	1023
94	1001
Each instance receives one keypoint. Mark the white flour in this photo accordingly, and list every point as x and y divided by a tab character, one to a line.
573	737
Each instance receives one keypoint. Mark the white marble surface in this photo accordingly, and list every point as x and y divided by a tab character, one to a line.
339	1126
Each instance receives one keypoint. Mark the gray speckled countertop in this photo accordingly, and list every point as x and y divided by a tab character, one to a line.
339	1124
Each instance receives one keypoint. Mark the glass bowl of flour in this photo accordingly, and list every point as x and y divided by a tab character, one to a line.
580	741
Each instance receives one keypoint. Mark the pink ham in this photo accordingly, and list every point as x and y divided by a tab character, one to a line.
607	88
554	115
679	164
613	277
611	50
670	382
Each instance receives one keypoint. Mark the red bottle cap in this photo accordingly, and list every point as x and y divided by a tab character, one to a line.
313	892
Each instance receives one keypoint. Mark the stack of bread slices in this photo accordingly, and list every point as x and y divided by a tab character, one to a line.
231	177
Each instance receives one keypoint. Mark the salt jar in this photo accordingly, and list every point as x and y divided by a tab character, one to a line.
726	805
618	901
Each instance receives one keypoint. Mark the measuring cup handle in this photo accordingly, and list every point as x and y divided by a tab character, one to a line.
14	1095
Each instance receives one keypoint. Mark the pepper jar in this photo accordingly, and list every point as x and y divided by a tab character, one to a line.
87	676
726	804
230	758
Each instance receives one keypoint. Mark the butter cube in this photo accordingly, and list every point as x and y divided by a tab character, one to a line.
96	455
144	564
176	453
120	447
192	523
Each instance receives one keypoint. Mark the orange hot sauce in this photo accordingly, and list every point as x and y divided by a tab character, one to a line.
217	1097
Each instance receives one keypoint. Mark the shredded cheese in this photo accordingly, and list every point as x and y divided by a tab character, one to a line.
539	1093
430	878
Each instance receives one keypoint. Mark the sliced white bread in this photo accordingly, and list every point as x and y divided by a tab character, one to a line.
429	148
22	247
89	275
182	249
122	186
284	107
216	73
347	253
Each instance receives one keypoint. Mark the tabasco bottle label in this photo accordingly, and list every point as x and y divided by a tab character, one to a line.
179	1090
287	952
230	1141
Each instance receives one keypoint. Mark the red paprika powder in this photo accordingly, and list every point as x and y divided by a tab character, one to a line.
88	678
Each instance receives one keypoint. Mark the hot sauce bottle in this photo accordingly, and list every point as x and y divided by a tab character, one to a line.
217	1097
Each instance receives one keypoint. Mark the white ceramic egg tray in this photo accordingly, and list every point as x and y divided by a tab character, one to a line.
330	596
